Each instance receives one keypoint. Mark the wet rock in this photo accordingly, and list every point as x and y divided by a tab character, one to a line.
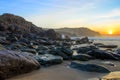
15	46
67	51
83	40
108	46
86	49
59	53
64	52
101	54
48	59
13	63
4	41
29	50
89	67
41	47
118	51
98	44
44	42
52	34
116	55
82	57
43	52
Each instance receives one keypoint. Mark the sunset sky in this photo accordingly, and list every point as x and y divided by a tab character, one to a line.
99	15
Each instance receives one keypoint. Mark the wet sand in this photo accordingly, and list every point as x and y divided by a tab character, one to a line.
59	72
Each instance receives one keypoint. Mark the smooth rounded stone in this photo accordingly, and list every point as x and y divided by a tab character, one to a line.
43	52
89	67
41	47
67	51
24	40
85	49
108	46
83	40
116	55
48	59
59	53
13	63
118	51
82	57
15	46
44	42
98	44
101	54
29	50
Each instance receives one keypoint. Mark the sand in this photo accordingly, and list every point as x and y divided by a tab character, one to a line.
59	72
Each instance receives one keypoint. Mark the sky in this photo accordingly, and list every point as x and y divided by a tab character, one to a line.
98	15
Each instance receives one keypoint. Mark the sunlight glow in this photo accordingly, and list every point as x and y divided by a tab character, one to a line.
110	32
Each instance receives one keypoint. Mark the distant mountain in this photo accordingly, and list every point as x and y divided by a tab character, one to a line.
77	32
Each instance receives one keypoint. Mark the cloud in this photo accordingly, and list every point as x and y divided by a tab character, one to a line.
111	14
61	13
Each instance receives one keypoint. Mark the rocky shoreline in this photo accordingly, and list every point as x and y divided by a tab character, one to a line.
24	47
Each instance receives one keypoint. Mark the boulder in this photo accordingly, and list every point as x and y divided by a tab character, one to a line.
118	51
67	51
82	57
48	59
85	49
108	46
13	63
98	44
89	67
101	54
33	51
83	40
43	52
101	66
60	52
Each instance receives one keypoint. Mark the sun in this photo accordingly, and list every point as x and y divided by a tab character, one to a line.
110	32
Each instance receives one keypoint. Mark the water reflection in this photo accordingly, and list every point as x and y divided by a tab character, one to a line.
112	76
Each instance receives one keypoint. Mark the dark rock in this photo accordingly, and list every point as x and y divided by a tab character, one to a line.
89	67
108	46
29	50
118	51
67	51
44	42
86	49
98	44
100	54
41	47
59	53
43	52
83	40
48	59
82	57
64	52
116	55
52	34
13	63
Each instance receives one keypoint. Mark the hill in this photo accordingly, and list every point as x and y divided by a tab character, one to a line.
77	32
16	25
